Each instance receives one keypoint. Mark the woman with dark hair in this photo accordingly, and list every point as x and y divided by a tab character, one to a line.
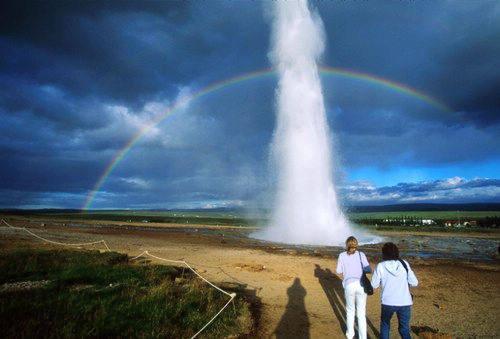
351	265
395	276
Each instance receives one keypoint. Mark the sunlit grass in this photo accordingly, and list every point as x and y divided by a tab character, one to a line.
91	294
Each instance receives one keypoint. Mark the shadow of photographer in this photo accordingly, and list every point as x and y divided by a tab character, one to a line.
332	286
295	322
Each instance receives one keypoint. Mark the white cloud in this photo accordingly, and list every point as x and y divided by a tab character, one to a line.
452	182
454	189
137	182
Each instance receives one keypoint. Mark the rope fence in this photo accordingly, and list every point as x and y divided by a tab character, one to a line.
143	254
231	295
56	242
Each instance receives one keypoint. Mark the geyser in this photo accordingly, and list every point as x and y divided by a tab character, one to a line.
306	210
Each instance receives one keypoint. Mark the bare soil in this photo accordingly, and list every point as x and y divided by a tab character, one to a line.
296	293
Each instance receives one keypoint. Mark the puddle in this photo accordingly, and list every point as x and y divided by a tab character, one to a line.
410	246
414	246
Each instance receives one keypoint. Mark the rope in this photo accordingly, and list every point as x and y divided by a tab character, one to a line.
194	271
55	242
231	295
221	270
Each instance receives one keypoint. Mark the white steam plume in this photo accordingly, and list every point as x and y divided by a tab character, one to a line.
306	210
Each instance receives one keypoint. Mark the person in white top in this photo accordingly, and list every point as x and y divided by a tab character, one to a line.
351	264
396	276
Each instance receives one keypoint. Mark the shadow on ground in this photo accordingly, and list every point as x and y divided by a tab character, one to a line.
295	322
332	286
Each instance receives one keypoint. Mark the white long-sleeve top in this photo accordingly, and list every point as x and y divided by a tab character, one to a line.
394	280
351	266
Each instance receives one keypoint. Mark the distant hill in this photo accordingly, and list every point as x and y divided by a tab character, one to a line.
426	207
486	207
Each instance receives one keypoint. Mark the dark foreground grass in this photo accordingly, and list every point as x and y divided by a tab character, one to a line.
87	294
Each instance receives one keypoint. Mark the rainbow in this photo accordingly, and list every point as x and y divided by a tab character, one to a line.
324	70
396	86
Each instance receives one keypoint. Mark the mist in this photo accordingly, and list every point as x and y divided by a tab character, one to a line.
306	210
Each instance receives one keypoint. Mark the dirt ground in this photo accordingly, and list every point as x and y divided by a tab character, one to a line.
298	293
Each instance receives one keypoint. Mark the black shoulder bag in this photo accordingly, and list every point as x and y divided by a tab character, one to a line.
365	282
406	269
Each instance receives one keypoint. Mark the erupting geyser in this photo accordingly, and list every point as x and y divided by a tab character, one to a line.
306	210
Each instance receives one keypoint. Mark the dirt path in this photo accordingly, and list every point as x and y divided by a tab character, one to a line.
300	295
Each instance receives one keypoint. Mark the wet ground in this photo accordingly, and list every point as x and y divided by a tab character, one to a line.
411	245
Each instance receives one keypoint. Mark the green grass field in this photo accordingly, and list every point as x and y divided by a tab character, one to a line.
175	217
238	218
217	215
442	215
87	294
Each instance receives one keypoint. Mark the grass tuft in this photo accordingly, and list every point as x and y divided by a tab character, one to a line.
92	294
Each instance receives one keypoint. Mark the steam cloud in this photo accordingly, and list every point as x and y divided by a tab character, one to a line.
306	208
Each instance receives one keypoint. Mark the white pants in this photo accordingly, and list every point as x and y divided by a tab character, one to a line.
355	297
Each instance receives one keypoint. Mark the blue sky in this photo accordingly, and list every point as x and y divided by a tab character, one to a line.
80	79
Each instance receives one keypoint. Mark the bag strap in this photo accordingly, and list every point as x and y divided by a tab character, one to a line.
361	263
404	265
406	269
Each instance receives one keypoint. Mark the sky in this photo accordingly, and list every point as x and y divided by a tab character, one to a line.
171	104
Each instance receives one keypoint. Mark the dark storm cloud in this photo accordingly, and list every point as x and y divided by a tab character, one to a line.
98	59
51	105
389	139
80	79
447	49
33	172
75	78
126	50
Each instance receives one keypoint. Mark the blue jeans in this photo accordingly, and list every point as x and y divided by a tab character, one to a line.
404	315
